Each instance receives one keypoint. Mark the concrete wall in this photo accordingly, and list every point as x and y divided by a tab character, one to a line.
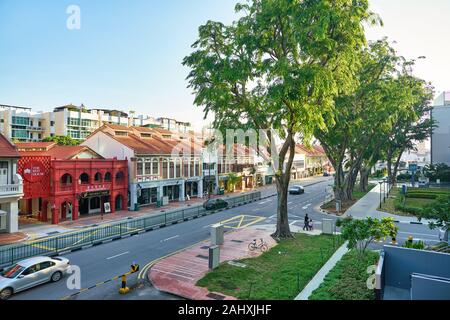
440	141
429	288
401	263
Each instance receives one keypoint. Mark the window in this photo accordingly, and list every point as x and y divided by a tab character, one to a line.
39	136
39	124
172	170
120	176
140	168
84	178
66	179
21	121
98	177
108	176
165	169
155	167
121	133
52	123
148	168
31	270
46	265
73	122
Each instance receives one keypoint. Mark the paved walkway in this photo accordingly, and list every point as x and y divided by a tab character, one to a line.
11	238
320	276
368	207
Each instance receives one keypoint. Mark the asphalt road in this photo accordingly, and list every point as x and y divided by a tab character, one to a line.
104	262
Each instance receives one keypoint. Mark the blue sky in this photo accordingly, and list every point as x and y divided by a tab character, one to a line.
128	53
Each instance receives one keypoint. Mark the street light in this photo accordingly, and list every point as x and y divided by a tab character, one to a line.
384	190
381	201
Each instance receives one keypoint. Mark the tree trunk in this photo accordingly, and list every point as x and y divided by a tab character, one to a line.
364	179
283	230
395	171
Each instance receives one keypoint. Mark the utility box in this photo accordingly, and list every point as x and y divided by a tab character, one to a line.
327	226
217	232
214	257
338	205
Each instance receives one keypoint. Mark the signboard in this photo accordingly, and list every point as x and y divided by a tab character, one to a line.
94	194
33	171
107	206
412	167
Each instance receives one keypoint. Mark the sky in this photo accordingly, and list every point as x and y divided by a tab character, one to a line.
127	54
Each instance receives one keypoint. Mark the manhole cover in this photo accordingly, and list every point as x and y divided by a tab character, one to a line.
215	296
202	256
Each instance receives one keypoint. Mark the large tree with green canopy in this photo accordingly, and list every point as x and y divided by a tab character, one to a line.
278	67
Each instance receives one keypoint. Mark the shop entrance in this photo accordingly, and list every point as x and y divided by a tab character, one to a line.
172	192
66	211
3	216
191	189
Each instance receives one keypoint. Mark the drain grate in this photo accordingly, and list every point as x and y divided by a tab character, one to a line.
215	296
202	256
52	233
237	241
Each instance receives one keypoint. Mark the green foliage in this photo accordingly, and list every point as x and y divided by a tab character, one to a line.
360	233
347	280
439	171
439	211
233	179
379	174
62	140
419	245
416	211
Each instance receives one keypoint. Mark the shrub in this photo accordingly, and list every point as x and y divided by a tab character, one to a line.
408	209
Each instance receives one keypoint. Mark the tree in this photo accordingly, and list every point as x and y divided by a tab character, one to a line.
439	171
62	140
439	212
233	180
361	233
278	68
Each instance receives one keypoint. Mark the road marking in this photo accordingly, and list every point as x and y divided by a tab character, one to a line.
293	222
174	237
118	255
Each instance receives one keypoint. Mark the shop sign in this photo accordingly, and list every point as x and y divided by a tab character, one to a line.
33	171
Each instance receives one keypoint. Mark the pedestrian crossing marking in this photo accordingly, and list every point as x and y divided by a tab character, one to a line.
241	221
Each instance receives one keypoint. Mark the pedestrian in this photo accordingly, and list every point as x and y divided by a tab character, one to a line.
311	225
306	226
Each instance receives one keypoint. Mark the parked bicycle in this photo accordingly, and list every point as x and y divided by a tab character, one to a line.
254	245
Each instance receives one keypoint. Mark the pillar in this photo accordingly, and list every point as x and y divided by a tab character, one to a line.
55	213
133	196
159	193
182	186
112	202
12	221
200	189
75	208
43	215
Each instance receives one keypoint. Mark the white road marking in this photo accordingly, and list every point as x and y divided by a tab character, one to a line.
293	222
174	237
118	255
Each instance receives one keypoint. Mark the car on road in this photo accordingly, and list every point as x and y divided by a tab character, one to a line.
326	174
214	204
32	272
296	190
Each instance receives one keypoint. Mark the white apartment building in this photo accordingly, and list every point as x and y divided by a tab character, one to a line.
174	125
440	140
21	124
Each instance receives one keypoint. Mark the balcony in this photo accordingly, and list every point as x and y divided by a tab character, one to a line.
12	190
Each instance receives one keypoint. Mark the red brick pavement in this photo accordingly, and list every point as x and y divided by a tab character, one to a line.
10	238
178	273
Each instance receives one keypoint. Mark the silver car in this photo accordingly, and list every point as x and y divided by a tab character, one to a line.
30	273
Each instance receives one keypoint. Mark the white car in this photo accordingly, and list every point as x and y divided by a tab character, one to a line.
30	273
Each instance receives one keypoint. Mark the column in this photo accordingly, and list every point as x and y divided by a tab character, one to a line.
112	201
133	196
13	218
75	206
182	186
159	193
200	189
55	212
43	215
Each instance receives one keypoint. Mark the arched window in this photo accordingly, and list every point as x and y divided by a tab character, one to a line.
84	178
165	169
66	179
108	177
155	167
120	176
98	177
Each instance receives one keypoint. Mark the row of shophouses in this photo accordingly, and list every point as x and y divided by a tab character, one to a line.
119	168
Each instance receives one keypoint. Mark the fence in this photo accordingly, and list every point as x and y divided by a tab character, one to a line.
76	240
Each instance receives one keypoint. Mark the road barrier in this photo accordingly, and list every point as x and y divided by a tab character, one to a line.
77	240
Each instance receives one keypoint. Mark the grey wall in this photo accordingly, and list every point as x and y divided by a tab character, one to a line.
426	288
440	141
401	263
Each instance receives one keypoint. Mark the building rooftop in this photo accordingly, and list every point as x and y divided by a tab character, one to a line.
54	151
7	148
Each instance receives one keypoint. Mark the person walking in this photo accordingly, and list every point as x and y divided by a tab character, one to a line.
306	225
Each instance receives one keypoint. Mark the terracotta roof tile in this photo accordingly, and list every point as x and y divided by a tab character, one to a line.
7	149
59	152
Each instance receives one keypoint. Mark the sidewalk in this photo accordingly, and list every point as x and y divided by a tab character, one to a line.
177	274
368	207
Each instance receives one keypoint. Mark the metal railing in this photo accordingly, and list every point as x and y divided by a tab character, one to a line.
55	245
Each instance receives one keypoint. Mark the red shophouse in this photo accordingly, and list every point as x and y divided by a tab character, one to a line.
62	183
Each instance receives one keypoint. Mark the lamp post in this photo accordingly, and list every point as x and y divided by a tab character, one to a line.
384	190
381	201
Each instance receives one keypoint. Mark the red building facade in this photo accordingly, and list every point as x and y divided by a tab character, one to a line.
64	189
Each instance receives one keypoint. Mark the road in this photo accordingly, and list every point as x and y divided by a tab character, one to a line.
104	262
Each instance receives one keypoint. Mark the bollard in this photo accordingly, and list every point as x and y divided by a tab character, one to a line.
124	289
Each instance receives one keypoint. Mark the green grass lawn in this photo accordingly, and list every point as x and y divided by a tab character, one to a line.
391	204
331	206
279	274
347	280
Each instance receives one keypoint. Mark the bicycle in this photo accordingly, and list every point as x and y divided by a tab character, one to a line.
261	246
